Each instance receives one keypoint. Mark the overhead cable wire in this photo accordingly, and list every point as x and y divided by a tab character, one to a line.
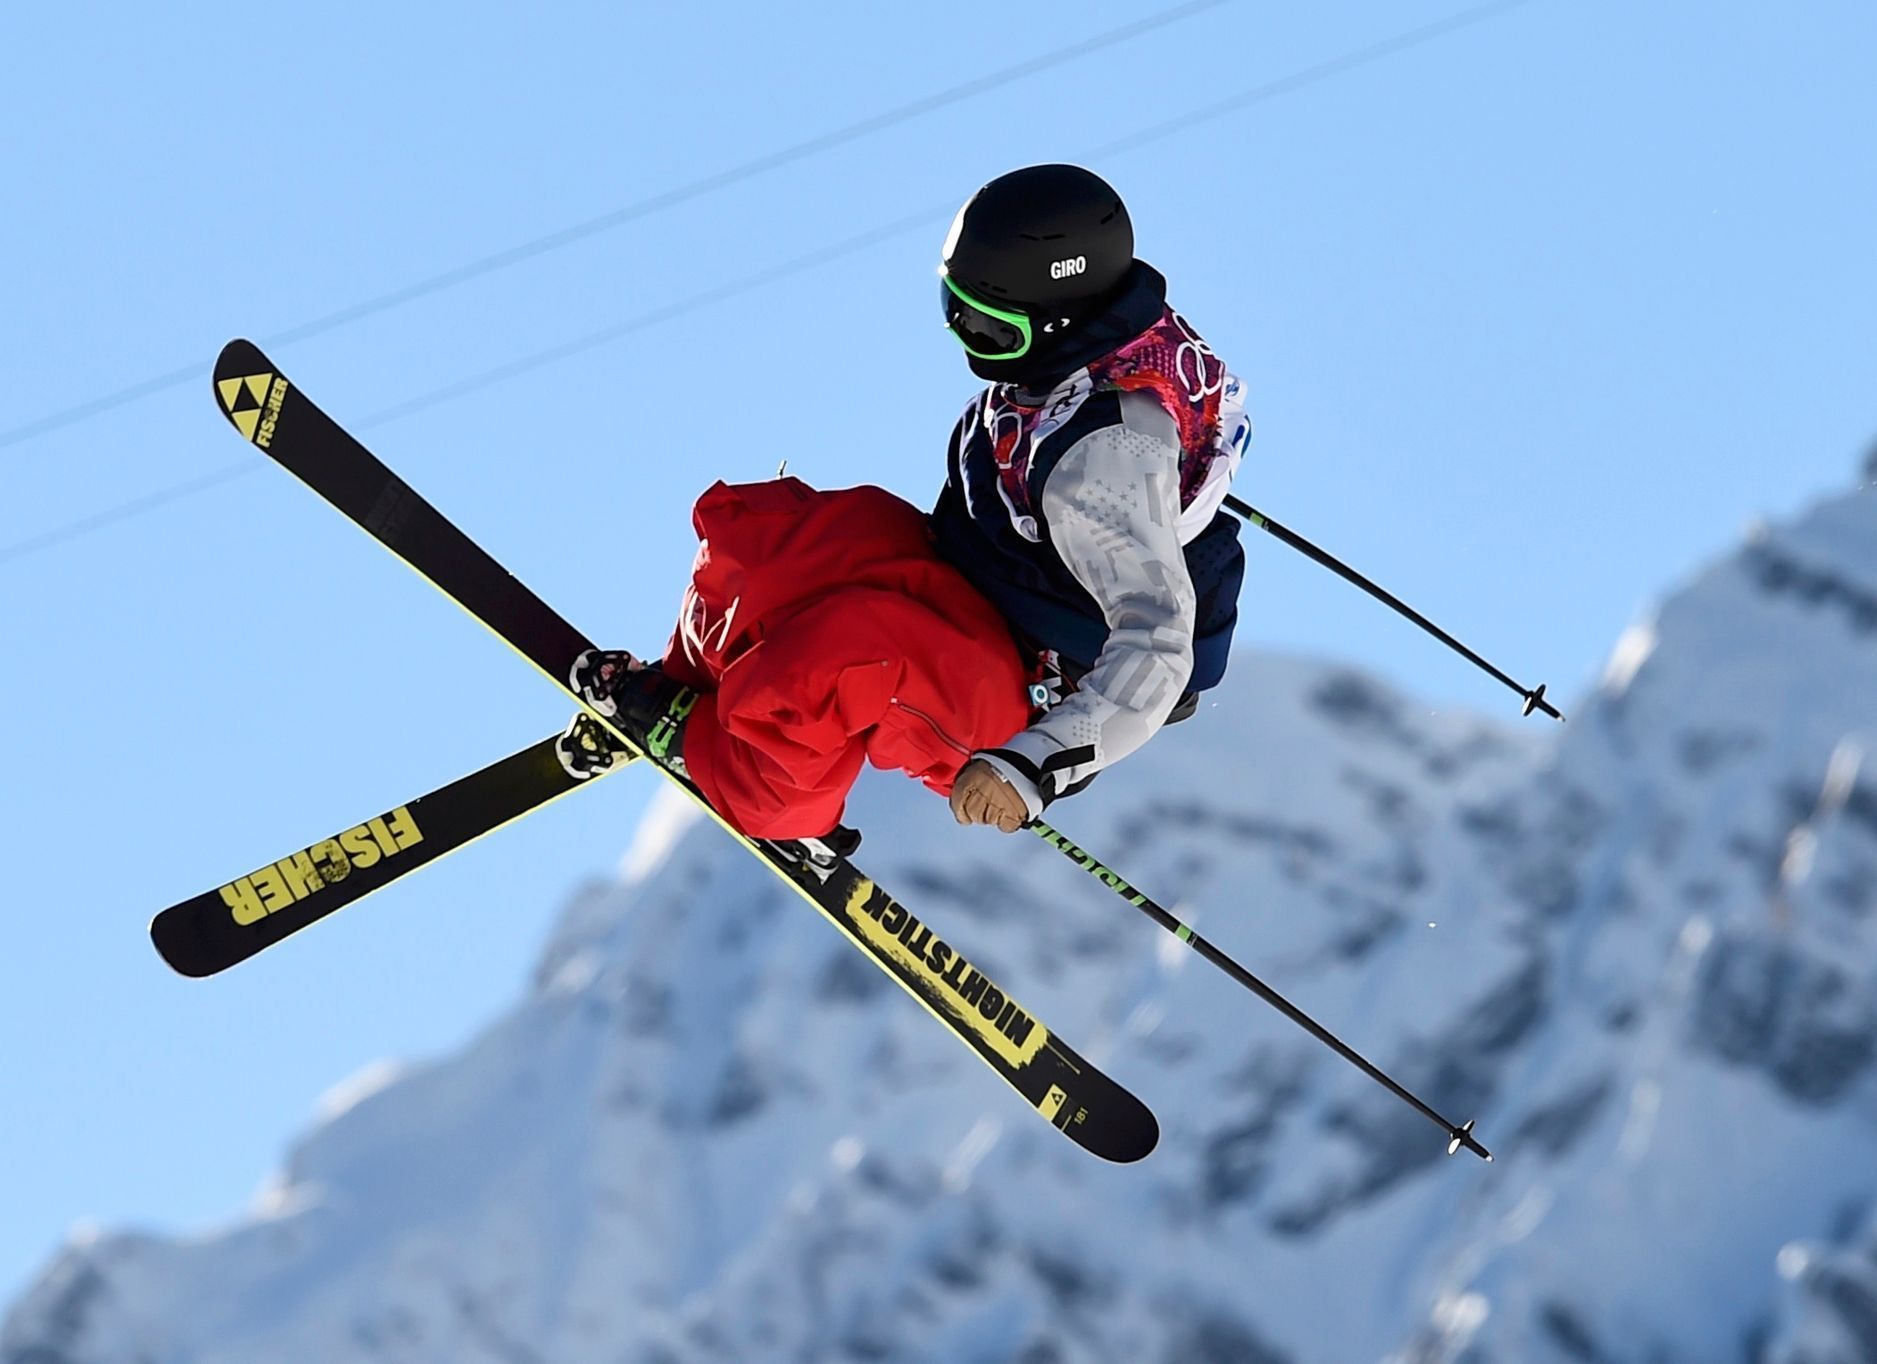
1299	80
619	217
1312	75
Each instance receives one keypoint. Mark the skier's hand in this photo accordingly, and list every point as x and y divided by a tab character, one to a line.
980	796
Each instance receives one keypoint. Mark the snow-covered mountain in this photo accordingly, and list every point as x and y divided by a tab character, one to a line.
1642	949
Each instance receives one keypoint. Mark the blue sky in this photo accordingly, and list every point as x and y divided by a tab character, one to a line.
1534	315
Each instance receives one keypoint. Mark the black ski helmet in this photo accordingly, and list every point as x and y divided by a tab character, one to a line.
1045	244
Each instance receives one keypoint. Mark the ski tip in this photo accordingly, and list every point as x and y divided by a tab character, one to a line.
249	390
237	355
1144	1137
1126	1142
1129	1129
173	947
1102	1117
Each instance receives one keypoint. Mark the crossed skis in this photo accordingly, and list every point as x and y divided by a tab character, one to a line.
220	928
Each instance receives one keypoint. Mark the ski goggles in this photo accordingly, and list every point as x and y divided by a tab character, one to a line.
985	330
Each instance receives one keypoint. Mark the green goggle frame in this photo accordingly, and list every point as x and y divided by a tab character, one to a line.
986	331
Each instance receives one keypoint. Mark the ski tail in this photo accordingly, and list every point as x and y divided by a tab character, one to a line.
220	928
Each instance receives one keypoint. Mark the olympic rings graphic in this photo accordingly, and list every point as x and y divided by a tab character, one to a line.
1208	375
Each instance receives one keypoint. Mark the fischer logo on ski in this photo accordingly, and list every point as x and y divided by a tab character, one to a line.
328	862
253	404
208	933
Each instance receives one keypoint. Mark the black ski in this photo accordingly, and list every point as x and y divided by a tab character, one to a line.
223	927
1085	1104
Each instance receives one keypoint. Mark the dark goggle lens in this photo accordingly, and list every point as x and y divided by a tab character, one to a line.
980	332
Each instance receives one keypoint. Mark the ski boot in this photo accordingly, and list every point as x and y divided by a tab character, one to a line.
818	857
586	748
649	706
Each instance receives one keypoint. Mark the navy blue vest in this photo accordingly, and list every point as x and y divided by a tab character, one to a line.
976	527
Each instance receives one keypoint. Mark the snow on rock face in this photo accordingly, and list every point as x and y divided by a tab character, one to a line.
1699	866
1828	1307
1642	950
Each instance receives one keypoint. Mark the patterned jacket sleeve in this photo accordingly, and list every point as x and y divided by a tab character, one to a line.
1112	507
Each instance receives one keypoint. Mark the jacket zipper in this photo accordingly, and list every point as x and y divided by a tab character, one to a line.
947	739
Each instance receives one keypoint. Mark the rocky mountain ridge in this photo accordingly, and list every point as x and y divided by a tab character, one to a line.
1642	950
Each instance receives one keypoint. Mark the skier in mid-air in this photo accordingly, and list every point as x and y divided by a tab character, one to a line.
1074	589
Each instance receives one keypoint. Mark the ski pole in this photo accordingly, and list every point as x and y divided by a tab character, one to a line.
1457	1137
1534	699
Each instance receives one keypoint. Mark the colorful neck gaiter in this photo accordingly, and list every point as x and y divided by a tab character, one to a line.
1168	360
